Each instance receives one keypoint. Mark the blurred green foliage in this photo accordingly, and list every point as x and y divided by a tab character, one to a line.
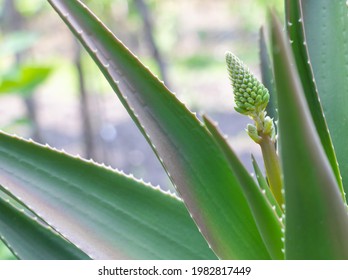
24	80
30	7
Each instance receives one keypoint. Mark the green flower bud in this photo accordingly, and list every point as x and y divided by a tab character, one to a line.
241	111
258	100
249	93
268	126
253	133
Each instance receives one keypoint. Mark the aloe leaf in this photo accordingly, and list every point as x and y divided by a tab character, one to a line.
265	188
267	75
316	217
107	214
10	198
30	239
5	253
297	36
266	219
185	148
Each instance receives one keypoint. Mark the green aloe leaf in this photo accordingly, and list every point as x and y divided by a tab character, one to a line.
185	148
30	239
298	42
107	214
10	198
5	253
325	24
267	76
316	216
266	219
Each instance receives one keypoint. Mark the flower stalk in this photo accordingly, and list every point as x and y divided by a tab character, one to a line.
272	167
251	98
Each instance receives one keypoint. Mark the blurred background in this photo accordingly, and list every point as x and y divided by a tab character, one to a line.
51	91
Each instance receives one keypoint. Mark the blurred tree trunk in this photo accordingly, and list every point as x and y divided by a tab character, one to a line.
13	21
87	128
149	37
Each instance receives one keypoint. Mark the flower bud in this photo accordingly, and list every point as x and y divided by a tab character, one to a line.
268	125
253	133
250	95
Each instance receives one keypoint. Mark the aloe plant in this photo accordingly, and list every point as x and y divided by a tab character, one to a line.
57	206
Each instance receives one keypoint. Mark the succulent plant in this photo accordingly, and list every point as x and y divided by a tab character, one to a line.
56	206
